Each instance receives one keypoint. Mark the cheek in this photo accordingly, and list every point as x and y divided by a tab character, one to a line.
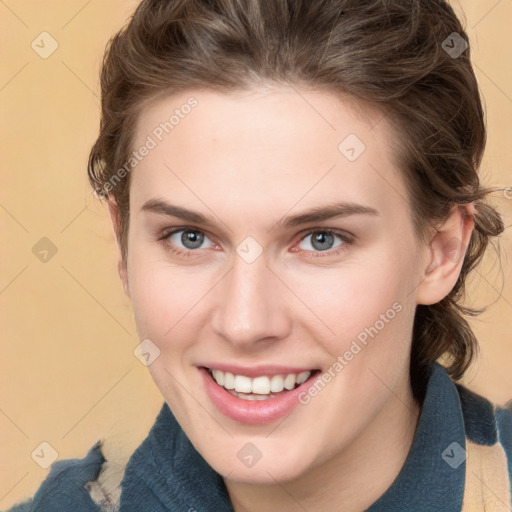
348	301
165	299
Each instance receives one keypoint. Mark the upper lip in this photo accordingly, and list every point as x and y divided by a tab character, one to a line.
258	370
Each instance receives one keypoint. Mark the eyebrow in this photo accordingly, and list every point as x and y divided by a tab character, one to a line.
317	214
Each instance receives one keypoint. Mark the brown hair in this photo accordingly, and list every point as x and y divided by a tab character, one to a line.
396	54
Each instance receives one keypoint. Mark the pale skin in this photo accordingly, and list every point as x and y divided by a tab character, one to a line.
248	160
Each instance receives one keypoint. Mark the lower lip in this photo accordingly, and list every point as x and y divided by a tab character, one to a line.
254	412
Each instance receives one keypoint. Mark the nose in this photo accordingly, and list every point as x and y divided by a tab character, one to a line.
251	306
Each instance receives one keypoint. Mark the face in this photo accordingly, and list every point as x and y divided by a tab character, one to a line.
271	245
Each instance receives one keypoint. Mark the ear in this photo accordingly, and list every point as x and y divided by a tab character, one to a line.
447	250
121	265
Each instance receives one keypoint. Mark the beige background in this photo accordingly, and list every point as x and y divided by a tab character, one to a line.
67	371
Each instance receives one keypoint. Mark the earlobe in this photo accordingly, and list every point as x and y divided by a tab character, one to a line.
447	251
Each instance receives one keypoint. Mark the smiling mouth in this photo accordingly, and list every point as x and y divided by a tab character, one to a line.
263	387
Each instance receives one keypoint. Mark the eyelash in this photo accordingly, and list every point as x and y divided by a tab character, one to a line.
343	236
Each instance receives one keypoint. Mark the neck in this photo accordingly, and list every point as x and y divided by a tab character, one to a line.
352	479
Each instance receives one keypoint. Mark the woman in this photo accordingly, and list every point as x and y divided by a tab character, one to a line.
293	186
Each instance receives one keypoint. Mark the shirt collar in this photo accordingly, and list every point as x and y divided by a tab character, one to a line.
433	475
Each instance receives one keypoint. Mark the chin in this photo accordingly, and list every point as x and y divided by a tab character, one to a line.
252	460
277	471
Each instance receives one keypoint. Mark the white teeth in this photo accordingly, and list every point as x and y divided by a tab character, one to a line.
289	382
253	398
229	380
219	377
303	377
276	384
243	384
259	385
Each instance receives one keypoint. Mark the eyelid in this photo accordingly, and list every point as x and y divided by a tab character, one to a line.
347	239
344	235
167	233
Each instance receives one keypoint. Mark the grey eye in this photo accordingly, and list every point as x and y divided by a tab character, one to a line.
189	239
321	241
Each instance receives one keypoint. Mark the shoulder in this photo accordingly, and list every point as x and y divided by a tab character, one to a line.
485	422
77	484
488	432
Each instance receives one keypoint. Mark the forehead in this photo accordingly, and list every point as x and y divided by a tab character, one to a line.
266	148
